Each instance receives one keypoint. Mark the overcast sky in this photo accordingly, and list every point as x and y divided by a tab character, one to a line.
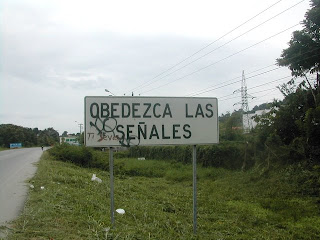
56	52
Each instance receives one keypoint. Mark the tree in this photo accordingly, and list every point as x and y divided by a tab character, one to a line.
231	126
297	122
65	134
292	128
10	133
303	54
81	140
48	136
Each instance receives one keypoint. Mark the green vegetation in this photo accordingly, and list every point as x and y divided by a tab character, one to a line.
157	198
261	185
295	126
231	126
228	155
10	133
2	148
305	42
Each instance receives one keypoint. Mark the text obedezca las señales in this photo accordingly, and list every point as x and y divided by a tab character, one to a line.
107	111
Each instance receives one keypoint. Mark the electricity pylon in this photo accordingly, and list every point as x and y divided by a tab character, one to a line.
244	105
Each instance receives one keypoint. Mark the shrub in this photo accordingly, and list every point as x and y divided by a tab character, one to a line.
82	156
228	155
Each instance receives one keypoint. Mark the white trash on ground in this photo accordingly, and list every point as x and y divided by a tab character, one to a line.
42	187
141	158
120	211
31	186
95	178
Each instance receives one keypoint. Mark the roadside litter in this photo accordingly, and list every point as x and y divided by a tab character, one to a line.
120	211
141	158
42	187
31	186
95	178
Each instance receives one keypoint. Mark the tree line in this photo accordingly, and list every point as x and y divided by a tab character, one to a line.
10	133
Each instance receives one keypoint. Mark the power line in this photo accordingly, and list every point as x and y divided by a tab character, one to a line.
255	98
276	80
187	75
266	90
264	95
251	87
237	81
250	19
201	91
267	93
259	25
232	94
208	89
279	79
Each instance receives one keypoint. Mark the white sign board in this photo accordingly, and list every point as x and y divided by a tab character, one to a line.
131	121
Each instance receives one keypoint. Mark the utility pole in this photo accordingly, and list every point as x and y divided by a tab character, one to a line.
244	105
80	125
318	82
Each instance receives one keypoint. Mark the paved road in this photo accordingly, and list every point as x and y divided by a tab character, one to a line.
16	166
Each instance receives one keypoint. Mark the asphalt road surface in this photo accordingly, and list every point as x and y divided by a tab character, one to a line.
16	166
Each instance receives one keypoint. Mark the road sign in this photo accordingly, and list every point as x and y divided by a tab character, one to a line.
15	145
131	121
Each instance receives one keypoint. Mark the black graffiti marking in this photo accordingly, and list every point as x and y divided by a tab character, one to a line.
103	127
128	141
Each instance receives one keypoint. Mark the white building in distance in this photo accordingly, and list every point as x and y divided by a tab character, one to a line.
248	122
72	140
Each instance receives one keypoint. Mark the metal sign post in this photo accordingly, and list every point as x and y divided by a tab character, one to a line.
150	121
111	185
194	163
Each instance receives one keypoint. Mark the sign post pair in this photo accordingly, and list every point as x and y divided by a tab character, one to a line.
151	121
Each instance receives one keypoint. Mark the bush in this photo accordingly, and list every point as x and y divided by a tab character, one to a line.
91	158
82	156
122	154
227	155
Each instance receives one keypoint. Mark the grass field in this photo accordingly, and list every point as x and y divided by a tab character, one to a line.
157	198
